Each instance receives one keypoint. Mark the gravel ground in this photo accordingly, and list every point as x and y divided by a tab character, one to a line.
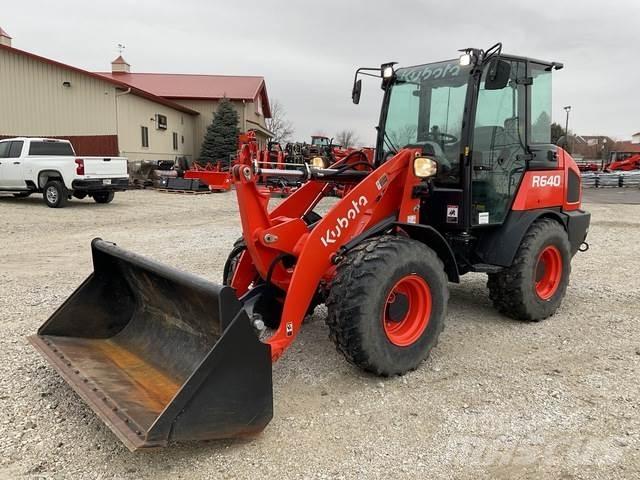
496	399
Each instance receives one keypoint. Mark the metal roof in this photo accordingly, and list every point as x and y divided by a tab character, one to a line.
177	86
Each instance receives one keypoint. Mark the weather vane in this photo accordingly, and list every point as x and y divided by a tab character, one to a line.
121	48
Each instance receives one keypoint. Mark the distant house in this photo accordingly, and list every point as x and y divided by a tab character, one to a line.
143	116
622	150
591	147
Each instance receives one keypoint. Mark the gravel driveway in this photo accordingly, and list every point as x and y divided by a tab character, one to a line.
496	399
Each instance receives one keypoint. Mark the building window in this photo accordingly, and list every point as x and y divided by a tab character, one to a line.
182	139
161	122
175	141
258	105
145	137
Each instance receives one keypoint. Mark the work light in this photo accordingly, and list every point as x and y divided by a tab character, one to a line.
424	167
318	162
465	59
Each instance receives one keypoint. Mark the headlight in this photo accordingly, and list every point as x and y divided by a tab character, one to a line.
318	162
387	72
424	167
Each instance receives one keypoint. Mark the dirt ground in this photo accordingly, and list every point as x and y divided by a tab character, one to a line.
496	399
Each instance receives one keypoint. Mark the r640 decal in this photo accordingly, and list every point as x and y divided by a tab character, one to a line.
546	181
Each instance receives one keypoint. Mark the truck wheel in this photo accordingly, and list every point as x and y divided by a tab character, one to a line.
55	194
103	197
533	287
22	194
387	304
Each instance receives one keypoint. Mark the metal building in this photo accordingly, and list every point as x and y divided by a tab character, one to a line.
142	116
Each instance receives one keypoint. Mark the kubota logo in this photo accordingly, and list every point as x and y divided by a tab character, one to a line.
546	181
333	234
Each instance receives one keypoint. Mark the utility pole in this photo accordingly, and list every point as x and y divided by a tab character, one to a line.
566	128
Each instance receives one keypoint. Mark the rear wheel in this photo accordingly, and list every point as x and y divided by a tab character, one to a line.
103	197
387	304
55	194
534	286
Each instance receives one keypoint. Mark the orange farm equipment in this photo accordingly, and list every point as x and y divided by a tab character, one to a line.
460	183
626	165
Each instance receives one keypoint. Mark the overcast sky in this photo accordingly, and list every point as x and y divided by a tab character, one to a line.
308	51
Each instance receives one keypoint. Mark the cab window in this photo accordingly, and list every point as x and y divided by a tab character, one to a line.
4	149
540	104
15	149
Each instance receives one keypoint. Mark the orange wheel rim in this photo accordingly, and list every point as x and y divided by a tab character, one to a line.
407	310
548	272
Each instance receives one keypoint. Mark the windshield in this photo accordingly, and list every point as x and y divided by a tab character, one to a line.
426	108
320	141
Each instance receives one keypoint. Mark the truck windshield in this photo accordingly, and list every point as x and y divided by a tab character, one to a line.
47	149
426	108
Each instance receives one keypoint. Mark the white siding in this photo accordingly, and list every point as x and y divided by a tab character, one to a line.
135	112
33	100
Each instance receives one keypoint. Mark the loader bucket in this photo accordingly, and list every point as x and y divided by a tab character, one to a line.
160	355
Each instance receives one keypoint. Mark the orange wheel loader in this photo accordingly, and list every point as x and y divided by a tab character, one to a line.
465	179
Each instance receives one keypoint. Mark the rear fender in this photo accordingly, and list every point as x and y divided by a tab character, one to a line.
499	246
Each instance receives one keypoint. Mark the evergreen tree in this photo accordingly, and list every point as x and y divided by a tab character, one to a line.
221	138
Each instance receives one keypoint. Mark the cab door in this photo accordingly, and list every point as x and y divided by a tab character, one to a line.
11	167
498	147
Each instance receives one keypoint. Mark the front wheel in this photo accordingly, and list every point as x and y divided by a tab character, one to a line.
533	287
387	304
103	197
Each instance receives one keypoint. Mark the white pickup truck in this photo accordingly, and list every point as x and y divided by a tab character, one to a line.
51	167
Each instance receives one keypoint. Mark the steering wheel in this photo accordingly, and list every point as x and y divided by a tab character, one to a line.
442	138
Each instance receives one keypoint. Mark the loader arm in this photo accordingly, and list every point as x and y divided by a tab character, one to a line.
312	250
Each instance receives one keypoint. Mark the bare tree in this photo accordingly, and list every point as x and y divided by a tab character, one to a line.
347	138
278	124
403	136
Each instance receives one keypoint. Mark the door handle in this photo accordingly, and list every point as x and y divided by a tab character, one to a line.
16	163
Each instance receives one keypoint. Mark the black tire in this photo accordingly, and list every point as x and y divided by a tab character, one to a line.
22	194
358	302
55	194
513	290
232	261
103	197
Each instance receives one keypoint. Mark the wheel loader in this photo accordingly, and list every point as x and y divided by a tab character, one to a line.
465	179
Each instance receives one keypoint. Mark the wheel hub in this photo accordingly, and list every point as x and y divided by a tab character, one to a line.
407	310
397	307
52	195
548	272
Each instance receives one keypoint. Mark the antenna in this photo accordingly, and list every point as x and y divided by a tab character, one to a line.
121	48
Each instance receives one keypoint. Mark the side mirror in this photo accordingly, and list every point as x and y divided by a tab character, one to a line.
357	90
498	74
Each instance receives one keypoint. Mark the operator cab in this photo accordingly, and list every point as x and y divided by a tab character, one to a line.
320	141
485	118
